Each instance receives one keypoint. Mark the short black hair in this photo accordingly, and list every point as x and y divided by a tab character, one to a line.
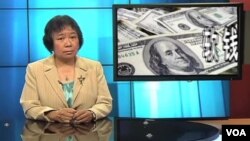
56	24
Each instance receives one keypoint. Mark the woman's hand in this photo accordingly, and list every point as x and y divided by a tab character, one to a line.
64	115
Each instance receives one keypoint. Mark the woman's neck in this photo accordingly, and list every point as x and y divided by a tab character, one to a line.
63	63
65	69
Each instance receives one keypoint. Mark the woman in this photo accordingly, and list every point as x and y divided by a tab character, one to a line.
65	87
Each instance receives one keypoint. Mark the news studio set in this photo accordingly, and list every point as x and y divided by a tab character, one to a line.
176	70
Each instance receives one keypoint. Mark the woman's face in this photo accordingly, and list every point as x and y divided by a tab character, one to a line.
66	43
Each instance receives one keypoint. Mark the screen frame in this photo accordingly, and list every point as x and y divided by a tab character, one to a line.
240	20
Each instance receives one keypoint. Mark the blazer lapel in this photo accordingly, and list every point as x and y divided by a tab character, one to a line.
52	76
80	74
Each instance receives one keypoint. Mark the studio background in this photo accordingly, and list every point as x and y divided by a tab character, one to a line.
21	27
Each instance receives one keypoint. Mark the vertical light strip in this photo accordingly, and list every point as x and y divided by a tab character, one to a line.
146	99
153	88
212	99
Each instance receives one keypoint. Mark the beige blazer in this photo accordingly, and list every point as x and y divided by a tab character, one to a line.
42	91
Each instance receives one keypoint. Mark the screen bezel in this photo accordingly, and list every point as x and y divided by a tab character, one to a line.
240	20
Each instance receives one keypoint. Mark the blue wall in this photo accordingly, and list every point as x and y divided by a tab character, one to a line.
22	24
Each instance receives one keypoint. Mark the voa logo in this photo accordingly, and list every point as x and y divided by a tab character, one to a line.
236	132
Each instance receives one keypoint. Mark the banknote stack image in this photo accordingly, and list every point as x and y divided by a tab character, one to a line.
177	40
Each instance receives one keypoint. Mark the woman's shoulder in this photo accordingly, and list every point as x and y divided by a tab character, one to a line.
40	62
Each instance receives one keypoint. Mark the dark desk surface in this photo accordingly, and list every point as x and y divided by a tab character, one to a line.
109	129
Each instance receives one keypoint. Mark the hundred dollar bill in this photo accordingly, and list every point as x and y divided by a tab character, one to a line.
183	55
147	22
162	10
230	10
141	10
127	31
125	14
196	19
222	16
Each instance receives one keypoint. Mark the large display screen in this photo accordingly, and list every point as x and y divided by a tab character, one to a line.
198	41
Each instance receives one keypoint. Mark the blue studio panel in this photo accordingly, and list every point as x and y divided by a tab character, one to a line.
181	99
166	99
125	99
97	32
74	3
213	97
14	37
13	3
190	96
11	82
